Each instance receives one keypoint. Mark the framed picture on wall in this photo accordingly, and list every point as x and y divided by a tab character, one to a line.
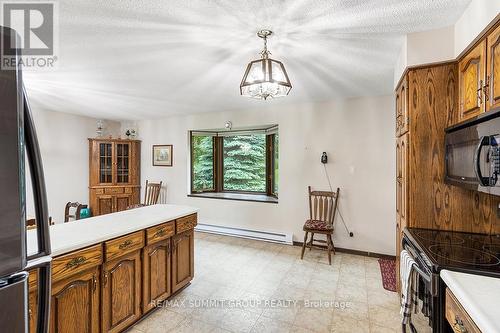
163	155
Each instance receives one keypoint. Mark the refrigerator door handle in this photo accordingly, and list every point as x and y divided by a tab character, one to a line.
44	291
42	259
37	181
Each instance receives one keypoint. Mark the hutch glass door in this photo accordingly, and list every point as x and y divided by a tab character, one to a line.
122	163
105	163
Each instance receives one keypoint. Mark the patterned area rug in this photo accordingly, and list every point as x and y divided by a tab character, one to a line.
388	270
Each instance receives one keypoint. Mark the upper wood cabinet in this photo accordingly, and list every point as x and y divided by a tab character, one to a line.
492	91
402	115
114	175
471	74
479	77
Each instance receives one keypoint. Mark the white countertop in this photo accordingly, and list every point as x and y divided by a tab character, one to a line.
67	237
478	295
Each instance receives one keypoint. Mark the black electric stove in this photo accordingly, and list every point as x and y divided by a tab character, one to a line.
460	251
434	250
466	252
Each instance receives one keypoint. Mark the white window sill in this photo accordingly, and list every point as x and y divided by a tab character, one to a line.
235	196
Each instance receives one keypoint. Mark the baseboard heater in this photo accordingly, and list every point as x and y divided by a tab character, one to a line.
268	236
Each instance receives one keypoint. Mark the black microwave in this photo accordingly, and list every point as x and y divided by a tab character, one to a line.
472	154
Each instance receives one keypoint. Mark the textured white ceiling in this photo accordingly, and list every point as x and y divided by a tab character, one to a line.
136	59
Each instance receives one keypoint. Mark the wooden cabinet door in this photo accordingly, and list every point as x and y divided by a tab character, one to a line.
33	299
405	117
105	205
122	163
470	79
75	304
122	202
33	310
182	259
398	180
492	88
156	274
121	292
404	166
399	112
402	115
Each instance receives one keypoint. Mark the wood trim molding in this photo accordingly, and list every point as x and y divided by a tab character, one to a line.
351	251
490	27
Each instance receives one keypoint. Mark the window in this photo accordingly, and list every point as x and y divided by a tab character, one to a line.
202	152
235	161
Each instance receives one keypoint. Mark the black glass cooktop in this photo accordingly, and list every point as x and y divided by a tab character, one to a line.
458	250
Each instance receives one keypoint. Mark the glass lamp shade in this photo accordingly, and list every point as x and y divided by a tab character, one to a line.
265	78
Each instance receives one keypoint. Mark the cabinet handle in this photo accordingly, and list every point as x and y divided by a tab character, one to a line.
479	92
159	233
30	313
125	244
94	283
105	278
458	326
75	262
485	89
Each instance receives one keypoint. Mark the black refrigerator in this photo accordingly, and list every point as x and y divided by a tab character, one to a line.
17	140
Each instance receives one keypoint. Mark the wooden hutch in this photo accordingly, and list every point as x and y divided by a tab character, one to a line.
114	174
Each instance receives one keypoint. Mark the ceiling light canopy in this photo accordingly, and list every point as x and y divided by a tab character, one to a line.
265	77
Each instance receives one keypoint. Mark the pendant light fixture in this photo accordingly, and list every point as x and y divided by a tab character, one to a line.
265	78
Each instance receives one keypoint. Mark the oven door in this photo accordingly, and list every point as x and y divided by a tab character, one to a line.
431	320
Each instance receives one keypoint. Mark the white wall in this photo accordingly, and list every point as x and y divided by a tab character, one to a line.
358	135
424	48
447	43
475	18
64	149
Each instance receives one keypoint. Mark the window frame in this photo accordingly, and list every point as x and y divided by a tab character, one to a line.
218	162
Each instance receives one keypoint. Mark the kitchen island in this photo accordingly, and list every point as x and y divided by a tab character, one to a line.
110	270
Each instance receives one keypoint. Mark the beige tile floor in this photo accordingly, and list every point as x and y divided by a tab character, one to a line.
244	274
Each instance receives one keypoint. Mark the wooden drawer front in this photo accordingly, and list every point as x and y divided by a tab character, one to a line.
128	190
117	247
457	317
160	232
186	223
99	191
114	190
76	262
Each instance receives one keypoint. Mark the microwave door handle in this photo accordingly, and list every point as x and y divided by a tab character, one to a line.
484	181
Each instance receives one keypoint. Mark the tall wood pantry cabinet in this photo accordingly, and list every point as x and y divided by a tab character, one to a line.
114	174
426	103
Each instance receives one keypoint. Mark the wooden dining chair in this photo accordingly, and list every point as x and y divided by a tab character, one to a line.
151	195
322	211
77	213
31	223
